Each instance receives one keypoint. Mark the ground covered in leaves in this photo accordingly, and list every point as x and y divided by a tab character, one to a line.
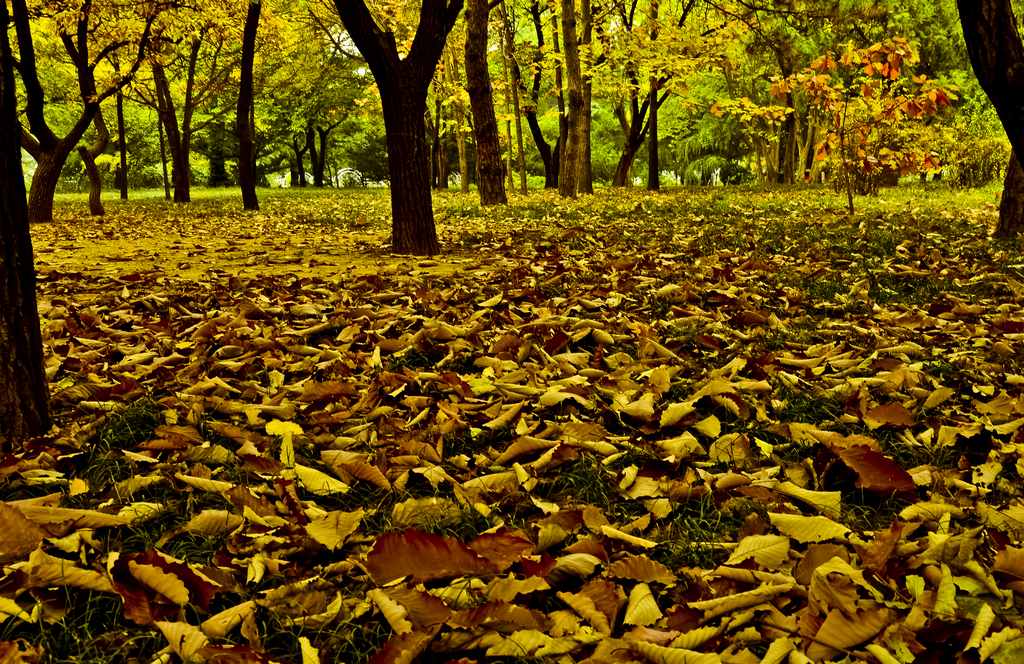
706	426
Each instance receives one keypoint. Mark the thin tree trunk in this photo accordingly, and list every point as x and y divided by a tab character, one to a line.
89	155
569	177
585	185
163	158
322	134
622	178
547	157
24	411
506	49
653	162
563	118
490	183
122	148
1011	205
243	113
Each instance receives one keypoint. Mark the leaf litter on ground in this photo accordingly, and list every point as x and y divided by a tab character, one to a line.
697	427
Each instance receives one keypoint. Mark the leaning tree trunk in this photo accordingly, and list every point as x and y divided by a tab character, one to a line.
23	395
490	179
622	178
409	170
1011	205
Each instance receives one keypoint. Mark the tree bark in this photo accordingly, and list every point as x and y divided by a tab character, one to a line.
1011	205
653	162
89	155
122	148
491	182
585	184
558	154
403	85
323	133
163	158
24	409
547	157
243	113
569	177
997	56
179	140
622	178
514	86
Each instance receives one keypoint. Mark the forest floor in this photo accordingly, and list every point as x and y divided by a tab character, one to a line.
708	425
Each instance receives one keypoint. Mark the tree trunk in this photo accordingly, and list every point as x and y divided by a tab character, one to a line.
179	139
787	147
625	166
218	176
243	113
322	134
997	56
95	182
653	161
24	411
163	158
517	113
563	118
585	184
491	184
122	148
89	155
44	186
413	229
569	177
1011	205
530	110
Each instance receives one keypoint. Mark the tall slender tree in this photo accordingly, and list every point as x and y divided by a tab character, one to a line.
490	182
244	111
403	83
568	182
23	394
997	55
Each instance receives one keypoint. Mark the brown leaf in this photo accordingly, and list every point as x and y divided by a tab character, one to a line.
890	414
875	471
422	557
21	536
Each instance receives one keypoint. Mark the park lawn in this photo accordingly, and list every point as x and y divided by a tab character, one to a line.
707	425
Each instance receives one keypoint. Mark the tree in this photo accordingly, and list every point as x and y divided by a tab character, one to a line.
568	182
23	395
403	83
997	56
244	114
89	40
490	183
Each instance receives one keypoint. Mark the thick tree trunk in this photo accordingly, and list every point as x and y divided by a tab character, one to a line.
1011	205
997	56
412	212
244	111
788	147
23	394
490	184
569	177
44	186
122	148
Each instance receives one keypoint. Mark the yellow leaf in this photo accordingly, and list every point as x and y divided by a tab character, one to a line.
664	655
768	551
675	412
982	624
219	625
840	631
319	482
310	655
615	533
393	612
710	426
165	583
938	396
333	528
185	640
642	609
806	529
211	523
827	502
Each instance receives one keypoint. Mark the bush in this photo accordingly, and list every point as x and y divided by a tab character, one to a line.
977	161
